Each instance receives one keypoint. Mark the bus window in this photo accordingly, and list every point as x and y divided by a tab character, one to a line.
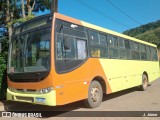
66	47
38	51
134	51
70	52
121	43
95	52
100	49
68	41
134	46
16	54
103	46
113	47
81	49
127	45
30	52
103	39
112	41
68	28
154	54
104	52
148	52
113	53
124	48
142	50
93	37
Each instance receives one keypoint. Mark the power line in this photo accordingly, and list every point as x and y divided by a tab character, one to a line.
101	13
111	3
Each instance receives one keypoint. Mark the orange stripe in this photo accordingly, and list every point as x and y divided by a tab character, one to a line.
68	19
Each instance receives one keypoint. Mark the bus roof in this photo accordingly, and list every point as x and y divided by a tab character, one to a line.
85	24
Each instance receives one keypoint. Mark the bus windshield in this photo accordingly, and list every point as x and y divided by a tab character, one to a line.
30	52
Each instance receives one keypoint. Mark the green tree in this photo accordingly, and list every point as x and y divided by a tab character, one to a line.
149	32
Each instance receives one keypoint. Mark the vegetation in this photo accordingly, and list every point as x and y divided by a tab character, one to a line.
152	36
3	77
149	32
141	29
3	66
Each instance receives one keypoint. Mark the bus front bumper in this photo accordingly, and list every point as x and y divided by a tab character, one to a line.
43	99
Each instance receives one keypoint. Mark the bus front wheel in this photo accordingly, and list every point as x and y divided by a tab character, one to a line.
144	85
95	95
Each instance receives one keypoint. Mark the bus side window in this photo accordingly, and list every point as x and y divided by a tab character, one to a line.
103	46
95	52
142	50
94	41
69	48
103	39
134	50
65	47
113	47
154	54
81	49
148	52
99	47
93	37
112	41
124	49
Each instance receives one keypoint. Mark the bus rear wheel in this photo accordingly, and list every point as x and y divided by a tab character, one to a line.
95	95
144	85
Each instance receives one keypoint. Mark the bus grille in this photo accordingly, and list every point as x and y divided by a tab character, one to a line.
26	90
29	99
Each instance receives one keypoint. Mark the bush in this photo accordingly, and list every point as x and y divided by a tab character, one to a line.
3	77
3	67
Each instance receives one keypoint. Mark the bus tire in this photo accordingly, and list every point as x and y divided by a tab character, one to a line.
95	95
144	85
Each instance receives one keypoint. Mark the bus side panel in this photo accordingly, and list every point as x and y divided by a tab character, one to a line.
123	74
76	83
154	71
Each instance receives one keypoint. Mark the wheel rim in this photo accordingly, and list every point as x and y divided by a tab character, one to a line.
95	94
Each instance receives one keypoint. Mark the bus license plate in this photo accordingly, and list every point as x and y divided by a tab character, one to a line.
40	100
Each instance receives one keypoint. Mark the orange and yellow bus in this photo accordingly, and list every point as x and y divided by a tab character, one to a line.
55	60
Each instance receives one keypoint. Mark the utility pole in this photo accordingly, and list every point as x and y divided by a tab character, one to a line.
54	6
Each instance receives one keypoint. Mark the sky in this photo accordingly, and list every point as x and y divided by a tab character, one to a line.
102	13
116	15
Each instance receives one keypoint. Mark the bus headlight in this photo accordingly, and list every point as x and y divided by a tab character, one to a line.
12	89
45	90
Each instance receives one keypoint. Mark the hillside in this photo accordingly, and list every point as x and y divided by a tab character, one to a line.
149	32
152	36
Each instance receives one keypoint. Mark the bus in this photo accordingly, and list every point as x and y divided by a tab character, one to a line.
55	60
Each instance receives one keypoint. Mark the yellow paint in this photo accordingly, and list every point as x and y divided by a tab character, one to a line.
123	74
50	98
